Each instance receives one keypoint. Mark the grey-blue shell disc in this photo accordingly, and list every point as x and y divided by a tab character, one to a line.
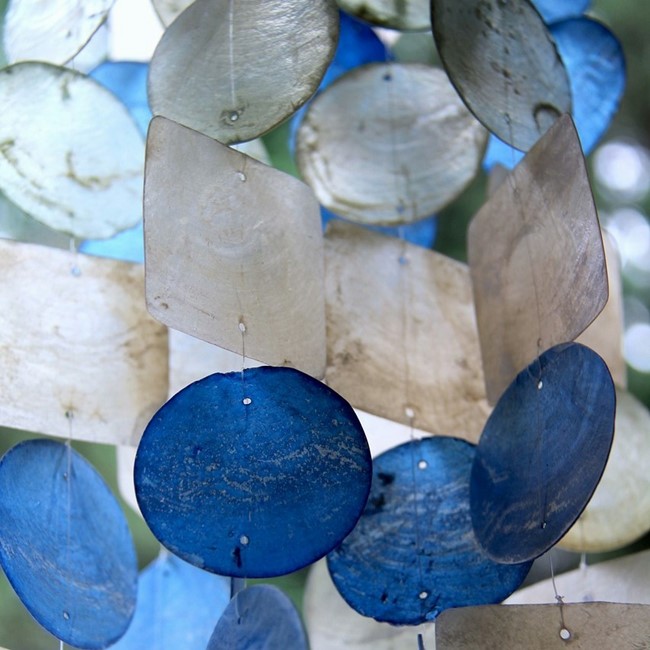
542	453
413	553
260	617
65	544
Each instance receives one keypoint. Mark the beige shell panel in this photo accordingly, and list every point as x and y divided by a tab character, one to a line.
536	258
80	355
401	334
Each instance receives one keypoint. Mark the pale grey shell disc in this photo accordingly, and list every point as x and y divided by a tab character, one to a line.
52	31
234	70
504	64
389	144
414	15
71	155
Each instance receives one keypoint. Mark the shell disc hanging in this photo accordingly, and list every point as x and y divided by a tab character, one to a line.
511	77
233	70
253	474
542	453
72	156
65	544
259	617
413	553
178	606
52	31
376	145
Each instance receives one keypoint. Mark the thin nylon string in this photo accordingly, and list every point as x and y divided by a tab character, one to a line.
558	599
235	585
405	287
536	454
231	51
67	475
538	373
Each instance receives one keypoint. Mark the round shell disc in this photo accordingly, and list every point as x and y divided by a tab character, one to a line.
619	511
65	544
333	625
377	145
512	77
72	156
413	553
414	15
254	474
234	70
178	606
52	31
259	617
594	61
542	452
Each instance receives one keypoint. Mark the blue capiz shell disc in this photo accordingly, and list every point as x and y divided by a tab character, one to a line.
65	544
542	453
178	606
413	553
253	474
259	618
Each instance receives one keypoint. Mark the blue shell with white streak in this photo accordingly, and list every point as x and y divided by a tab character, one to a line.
178	606
253	474
413	553
260	617
542	453
65	544
594	61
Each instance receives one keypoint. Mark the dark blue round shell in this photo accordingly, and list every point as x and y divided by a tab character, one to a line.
253	474
542	453
413	553
259	617
65	544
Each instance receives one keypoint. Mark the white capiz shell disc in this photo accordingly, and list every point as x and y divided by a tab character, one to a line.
619	511
234	70
333	625
52	31
389	143
72	156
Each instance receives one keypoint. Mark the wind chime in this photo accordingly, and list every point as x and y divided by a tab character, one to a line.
255	471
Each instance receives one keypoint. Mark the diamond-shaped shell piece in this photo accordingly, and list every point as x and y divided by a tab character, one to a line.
236	256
